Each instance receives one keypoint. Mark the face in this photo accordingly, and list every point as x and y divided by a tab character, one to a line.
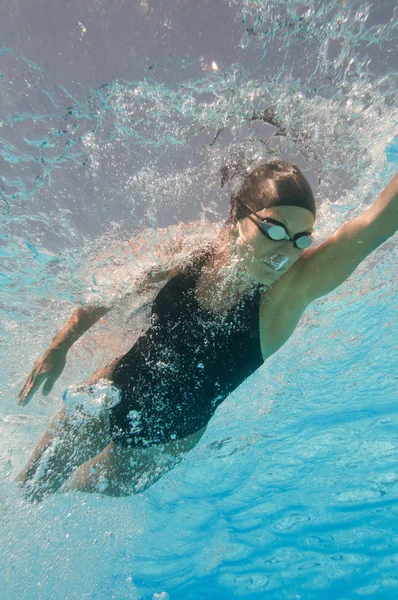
266	260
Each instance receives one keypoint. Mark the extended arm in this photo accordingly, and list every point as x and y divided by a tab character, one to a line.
48	368
326	267
158	249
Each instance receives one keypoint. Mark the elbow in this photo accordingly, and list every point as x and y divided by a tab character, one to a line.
89	313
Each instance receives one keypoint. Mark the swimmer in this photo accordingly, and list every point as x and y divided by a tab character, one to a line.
215	320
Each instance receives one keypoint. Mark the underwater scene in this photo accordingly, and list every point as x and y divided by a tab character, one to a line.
136	120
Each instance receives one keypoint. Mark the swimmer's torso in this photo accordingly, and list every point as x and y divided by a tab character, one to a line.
184	366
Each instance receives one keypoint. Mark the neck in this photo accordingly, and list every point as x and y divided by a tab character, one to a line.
222	283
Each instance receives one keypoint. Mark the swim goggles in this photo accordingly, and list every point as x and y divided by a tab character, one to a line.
276	231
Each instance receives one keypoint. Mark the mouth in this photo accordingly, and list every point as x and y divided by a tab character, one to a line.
275	262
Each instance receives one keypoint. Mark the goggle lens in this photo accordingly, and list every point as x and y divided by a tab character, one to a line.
275	232
278	233
304	241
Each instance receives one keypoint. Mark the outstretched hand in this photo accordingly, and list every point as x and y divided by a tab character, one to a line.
47	369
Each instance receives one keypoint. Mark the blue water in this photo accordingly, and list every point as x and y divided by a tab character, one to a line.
292	492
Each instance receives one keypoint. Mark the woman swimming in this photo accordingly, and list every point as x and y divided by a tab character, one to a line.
218	316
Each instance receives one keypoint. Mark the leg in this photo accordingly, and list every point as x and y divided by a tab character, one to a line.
71	439
45	442
121	472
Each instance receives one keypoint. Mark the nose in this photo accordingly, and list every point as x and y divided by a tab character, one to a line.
284	247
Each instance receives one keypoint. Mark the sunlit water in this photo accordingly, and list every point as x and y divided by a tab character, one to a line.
292	492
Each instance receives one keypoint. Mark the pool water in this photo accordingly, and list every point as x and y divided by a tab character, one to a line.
292	491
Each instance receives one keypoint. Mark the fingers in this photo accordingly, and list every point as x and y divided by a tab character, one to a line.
49	367
25	389
30	388
48	385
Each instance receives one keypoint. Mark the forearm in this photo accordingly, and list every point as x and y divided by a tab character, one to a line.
81	320
384	212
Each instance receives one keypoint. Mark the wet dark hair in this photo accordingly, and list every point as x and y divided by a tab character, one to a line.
275	183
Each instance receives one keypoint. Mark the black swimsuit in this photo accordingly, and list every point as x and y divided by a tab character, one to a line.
185	365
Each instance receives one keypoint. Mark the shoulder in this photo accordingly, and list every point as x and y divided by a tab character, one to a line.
168	251
146	261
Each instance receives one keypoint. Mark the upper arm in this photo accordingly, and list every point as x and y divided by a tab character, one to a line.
281	308
324	268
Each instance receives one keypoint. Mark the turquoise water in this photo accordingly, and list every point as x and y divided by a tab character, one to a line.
292	492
